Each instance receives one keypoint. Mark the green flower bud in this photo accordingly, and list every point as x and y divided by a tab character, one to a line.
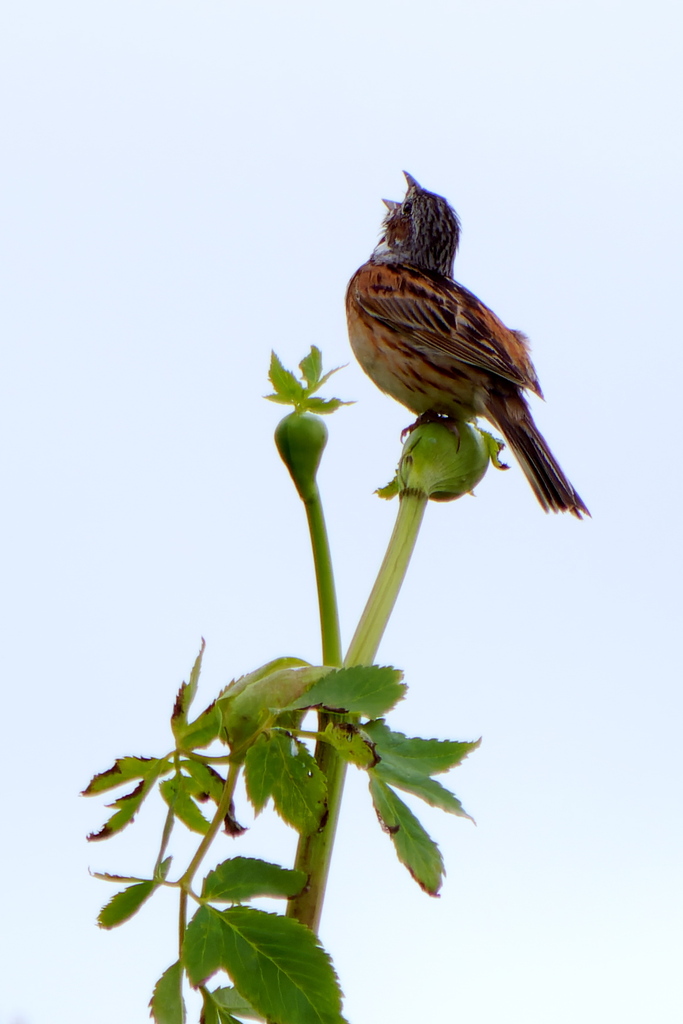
247	708
301	439
443	460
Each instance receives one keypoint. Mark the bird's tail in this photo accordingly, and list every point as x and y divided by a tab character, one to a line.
554	492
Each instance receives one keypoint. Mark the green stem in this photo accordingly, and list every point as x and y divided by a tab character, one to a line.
165	837
315	851
380	604
185	881
327	597
221	811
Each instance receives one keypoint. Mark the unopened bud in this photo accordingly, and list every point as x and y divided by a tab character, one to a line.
443	460
301	439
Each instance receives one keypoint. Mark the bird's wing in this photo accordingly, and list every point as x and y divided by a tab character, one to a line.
443	317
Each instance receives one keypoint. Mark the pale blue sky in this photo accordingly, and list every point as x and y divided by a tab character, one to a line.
188	185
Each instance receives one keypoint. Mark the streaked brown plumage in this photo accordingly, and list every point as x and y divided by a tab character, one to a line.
433	346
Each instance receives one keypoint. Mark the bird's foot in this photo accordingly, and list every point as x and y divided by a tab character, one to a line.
431	417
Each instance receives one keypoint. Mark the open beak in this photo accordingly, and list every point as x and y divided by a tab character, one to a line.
390	204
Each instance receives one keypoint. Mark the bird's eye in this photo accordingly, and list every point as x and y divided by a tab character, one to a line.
407	207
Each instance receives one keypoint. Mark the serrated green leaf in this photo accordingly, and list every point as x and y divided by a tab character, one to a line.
212	1013
104	876
369	690
427	757
178	793
204	730
330	373
284	382
278	399
429	790
186	695
351	743
125	904
245	878
311	366
230	1001
125	769
324	406
495	446
167	1005
413	846
279	767
126	808
209	783
275	962
389	490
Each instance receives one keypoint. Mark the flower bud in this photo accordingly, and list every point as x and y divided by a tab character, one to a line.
249	708
443	460
301	439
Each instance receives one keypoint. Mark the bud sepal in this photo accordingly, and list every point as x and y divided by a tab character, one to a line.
443	460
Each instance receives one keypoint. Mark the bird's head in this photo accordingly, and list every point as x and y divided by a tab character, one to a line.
423	230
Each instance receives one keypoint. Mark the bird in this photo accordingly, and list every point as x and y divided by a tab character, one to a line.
432	345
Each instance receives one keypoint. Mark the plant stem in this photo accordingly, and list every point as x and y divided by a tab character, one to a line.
380	604
327	597
165	837
185	881
314	852
223	808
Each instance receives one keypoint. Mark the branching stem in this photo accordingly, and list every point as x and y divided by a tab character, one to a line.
185	881
314	851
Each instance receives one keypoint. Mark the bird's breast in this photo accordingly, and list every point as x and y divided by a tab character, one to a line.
402	367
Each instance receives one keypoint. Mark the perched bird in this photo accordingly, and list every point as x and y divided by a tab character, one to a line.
436	348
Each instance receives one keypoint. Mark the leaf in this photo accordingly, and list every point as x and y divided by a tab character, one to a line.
429	790
428	757
244	878
104	876
125	904
495	446
408	762
204	730
279	399
324	406
330	373
311	366
275	962
186	695
178	793
124	770
167	1005
284	382
389	490
369	690
230	1001
126	808
414	847
277	766
209	783
213	1013
350	742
